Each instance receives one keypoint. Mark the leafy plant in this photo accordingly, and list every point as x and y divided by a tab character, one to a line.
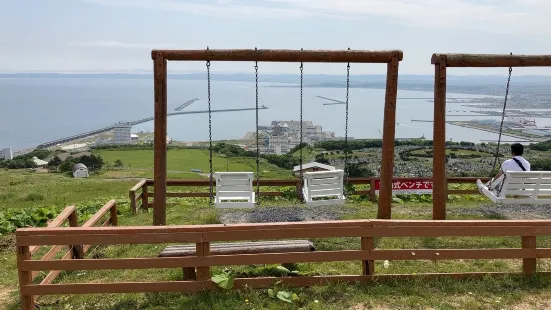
285	296
224	280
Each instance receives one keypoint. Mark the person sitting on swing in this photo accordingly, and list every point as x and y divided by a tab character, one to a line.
517	163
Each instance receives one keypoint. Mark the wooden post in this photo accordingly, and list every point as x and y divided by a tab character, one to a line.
160	91
132	197
113	215
78	250
145	196
389	127
299	186
372	194
368	266
25	277
203	249
529	264
440	185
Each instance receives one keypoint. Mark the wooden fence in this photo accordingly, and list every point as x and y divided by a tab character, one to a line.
139	194
75	251
204	235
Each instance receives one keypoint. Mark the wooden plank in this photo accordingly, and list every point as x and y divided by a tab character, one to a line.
470	223
159	167
288	234
458	231
463	192
265	55
242	248
106	239
440	186
529	264
372	193
195	286
49	255
197	261
132	198
125	230
98	215
389	129
56	222
368	266
138	185
492	60
203	251
25	277
113	217
445	254
145	196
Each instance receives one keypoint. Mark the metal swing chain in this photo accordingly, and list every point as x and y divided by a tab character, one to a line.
301	134
346	122
257	143
210	134
502	118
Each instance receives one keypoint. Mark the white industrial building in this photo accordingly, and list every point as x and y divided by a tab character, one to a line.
6	154
122	133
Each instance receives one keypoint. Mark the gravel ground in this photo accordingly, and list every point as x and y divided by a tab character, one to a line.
325	213
509	212
282	214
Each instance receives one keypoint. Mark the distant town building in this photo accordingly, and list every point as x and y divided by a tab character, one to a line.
80	171
39	162
6	154
122	133
134	137
313	166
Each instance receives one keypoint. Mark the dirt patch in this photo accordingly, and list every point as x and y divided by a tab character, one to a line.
7	243
5	293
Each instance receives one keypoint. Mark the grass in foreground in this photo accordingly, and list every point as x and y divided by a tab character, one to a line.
488	293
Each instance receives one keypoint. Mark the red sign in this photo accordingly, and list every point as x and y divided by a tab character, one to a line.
408	186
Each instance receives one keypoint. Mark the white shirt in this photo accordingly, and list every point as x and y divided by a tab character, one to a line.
511	165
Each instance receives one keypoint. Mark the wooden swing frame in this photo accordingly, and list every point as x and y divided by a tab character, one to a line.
441	62
160	57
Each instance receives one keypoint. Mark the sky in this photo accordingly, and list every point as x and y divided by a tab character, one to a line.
118	35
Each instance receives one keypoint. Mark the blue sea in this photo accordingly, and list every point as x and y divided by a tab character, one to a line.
36	110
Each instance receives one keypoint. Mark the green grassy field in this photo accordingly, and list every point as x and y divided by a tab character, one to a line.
181	161
23	189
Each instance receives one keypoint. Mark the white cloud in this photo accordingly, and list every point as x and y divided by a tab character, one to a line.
117	44
502	16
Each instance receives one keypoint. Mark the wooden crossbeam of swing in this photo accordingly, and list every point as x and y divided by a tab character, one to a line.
280	55
492	60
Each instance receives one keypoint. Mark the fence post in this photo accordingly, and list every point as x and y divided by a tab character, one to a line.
25	277
529	264
145	196
368	266
132	196
203	249
78	250
372	195
113	215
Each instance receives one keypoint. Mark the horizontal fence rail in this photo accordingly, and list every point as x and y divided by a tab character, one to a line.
265	55
204	235
136	197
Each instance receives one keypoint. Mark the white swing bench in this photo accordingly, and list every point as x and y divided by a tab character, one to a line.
525	186
234	190
323	188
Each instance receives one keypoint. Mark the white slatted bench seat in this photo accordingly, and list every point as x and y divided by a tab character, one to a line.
526	187
321	185
234	190
284	246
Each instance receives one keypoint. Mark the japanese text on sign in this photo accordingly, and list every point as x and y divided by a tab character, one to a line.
408	186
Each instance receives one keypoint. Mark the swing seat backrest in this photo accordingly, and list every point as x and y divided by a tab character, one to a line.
531	184
324	184
234	190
